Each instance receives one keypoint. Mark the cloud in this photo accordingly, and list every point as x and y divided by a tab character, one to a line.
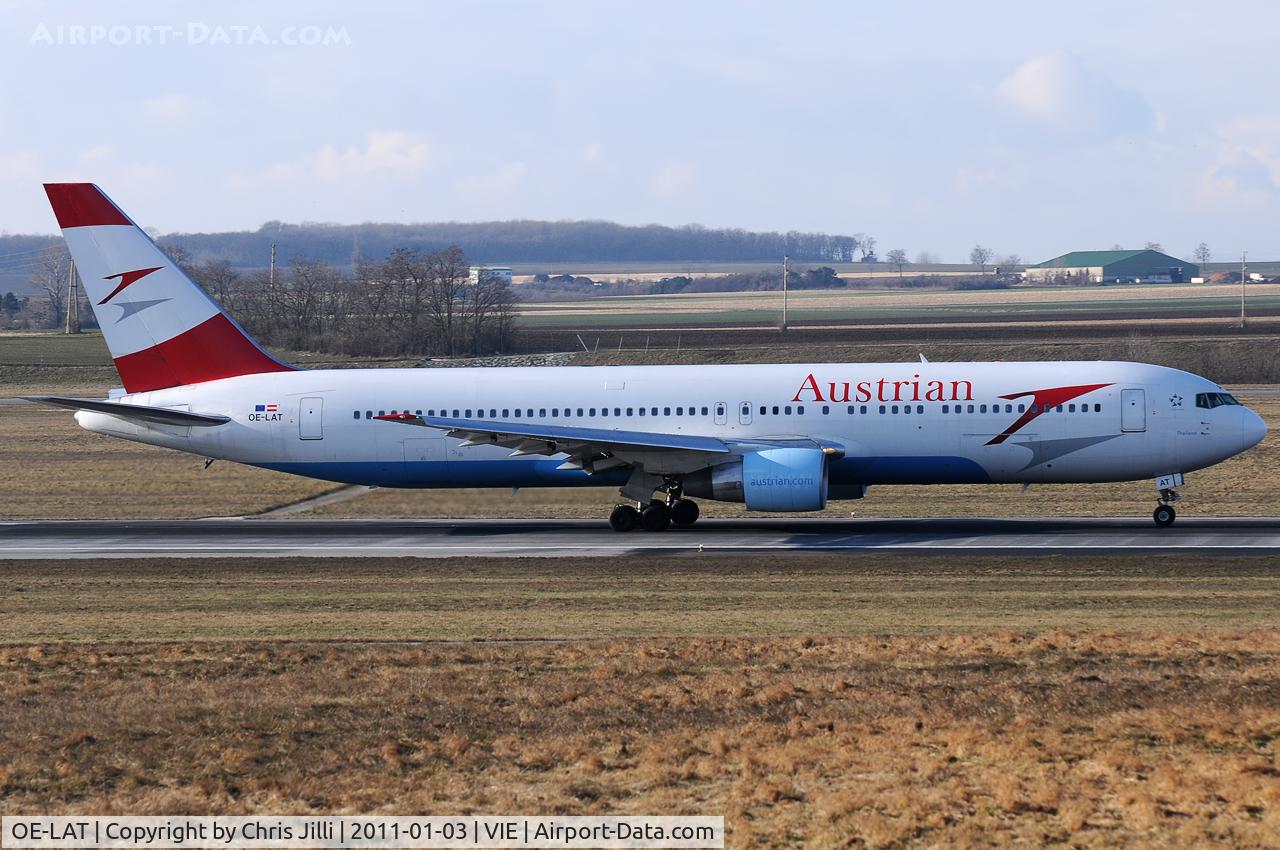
592	152
171	108
1058	95
1246	173
21	165
498	185
383	153
673	178
96	154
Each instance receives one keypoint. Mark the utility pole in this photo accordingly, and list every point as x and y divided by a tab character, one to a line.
786	267
1243	255
72	325
271	278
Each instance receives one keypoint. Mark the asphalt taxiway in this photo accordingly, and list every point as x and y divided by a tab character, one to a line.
438	538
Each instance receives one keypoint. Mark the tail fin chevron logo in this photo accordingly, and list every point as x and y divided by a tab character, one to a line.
127	279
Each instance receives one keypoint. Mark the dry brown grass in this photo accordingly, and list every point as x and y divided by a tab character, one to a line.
1004	738
696	595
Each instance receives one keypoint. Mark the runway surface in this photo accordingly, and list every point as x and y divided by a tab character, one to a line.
556	538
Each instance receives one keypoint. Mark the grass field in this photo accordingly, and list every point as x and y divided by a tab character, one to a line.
827	306
818	701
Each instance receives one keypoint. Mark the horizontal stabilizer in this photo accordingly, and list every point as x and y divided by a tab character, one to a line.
161	415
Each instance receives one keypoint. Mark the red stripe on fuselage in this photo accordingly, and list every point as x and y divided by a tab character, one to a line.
82	205
213	349
1043	399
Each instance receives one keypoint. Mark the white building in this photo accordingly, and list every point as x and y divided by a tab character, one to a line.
489	273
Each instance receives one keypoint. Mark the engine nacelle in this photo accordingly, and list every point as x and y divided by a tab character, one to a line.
782	479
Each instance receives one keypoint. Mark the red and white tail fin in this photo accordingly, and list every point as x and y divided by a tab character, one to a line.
162	329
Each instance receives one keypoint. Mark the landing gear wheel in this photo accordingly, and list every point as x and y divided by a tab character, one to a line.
1164	515
684	513
655	517
624	518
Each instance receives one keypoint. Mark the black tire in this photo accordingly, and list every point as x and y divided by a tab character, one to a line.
1164	515
624	518
684	513
656	517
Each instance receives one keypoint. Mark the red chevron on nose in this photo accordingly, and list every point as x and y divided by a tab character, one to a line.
127	279
1042	400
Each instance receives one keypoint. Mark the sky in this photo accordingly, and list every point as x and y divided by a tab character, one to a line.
1031	128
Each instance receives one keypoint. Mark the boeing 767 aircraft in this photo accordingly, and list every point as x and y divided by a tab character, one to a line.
776	437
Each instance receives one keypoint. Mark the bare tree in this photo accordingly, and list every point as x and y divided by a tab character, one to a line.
1203	254
220	280
1009	262
491	314
927	258
447	276
898	257
49	274
980	256
1154	246
868	246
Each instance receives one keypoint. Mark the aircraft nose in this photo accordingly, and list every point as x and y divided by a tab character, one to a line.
1252	428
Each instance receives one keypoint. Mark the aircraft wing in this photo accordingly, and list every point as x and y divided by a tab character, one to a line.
591	449
161	415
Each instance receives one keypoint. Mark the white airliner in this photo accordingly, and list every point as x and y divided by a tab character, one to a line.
776	437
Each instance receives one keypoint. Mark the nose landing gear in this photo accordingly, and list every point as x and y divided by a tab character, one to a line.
1164	514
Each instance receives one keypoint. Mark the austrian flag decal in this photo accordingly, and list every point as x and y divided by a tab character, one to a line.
266	413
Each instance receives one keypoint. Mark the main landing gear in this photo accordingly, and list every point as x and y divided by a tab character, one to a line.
659	514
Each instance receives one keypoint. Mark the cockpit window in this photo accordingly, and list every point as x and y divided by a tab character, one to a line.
1211	400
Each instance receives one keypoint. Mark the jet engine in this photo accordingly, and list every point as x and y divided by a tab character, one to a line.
780	479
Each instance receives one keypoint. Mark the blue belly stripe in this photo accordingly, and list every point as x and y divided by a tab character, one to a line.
545	472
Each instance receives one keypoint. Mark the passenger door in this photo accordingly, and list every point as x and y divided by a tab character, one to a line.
744	413
722	413
1133	410
311	419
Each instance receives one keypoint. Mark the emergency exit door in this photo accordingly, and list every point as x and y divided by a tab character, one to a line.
310	419
1133	410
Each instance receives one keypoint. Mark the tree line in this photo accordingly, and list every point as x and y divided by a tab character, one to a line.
522	242
413	303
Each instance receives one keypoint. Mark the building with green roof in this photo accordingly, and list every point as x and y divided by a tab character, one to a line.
1141	266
